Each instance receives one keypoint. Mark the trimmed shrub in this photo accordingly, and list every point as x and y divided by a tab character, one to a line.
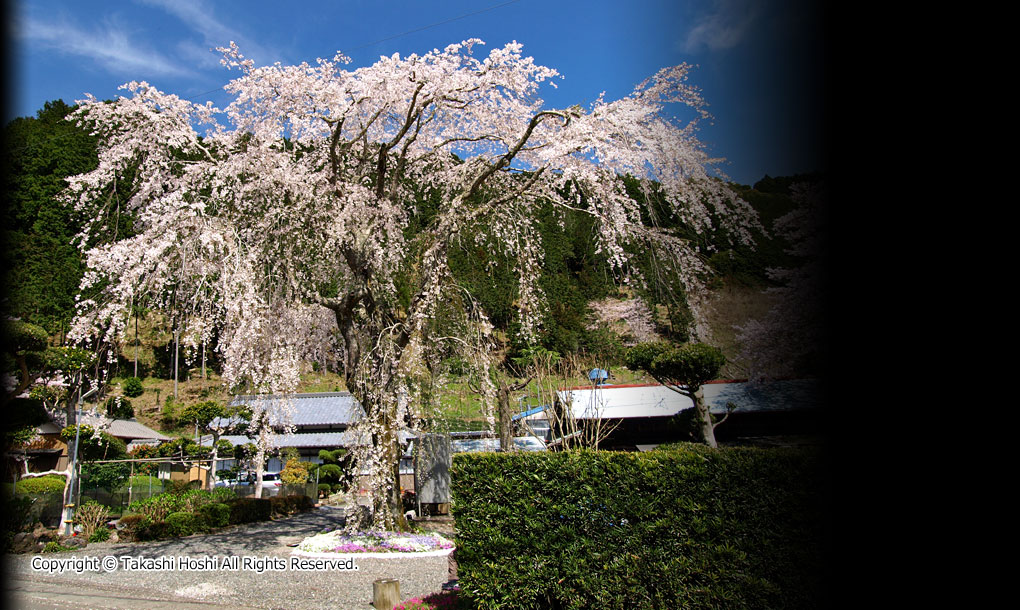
217	514
200	522
130	523
281	506
133	387
685	527
147	529
303	503
180	524
248	510
48	484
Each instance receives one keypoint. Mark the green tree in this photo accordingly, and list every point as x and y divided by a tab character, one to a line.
118	407
683	369
42	267
335	468
215	419
98	446
24	353
294	473
133	387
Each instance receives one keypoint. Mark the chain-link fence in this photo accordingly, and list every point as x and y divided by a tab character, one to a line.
119	500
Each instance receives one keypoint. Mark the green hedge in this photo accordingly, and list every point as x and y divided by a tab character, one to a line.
180	524
685	527
217	514
168	516
248	510
41	485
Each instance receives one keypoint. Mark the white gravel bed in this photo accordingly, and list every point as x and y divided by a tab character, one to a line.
249	565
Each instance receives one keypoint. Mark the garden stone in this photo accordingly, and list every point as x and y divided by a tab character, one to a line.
22	542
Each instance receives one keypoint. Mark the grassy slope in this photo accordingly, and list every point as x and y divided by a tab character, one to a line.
459	405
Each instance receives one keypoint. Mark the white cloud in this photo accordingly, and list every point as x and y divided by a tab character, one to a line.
108	45
724	27
199	18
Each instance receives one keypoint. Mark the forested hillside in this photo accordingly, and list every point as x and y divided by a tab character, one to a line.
589	312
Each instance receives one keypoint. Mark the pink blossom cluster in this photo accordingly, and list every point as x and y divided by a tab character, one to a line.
445	600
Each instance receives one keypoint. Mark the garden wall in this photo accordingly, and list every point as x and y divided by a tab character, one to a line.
683	527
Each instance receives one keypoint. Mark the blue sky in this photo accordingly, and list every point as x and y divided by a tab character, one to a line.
757	60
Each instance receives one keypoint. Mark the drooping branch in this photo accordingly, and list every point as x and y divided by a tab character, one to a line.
506	159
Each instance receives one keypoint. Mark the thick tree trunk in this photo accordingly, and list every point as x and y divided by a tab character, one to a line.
371	378
705	419
212	465
505	436
260	459
387	507
506	412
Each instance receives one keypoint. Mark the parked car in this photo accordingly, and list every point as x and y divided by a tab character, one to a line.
271	483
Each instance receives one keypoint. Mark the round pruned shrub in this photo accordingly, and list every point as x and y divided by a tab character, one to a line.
217	514
200	522
129	524
133	387
48	484
180	524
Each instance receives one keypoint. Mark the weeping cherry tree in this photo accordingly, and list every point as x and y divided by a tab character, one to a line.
323	204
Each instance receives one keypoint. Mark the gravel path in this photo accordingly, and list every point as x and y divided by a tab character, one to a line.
287	589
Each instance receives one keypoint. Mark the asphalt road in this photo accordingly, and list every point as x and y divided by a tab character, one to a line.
197	572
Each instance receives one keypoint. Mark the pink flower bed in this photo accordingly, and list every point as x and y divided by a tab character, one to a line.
447	600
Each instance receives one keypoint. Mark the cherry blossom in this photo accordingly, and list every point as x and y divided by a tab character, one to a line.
285	227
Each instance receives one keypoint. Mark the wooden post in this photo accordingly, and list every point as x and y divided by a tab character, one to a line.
385	593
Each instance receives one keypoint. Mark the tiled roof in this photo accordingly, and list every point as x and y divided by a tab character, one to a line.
309	439
324	440
129	429
309	410
133	429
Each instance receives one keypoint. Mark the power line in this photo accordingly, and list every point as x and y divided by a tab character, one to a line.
388	38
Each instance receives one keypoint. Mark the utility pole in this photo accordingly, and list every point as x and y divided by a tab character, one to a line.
69	502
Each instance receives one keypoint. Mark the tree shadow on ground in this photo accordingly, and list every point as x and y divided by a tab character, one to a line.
264	537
